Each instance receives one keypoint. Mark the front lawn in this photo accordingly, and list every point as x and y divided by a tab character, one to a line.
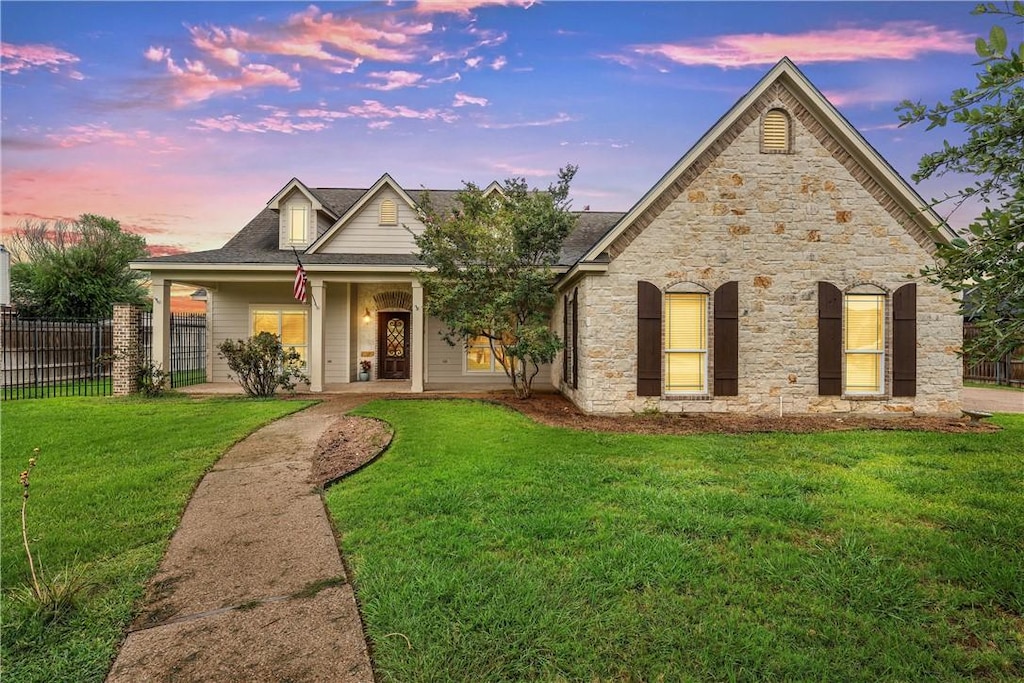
508	551
112	480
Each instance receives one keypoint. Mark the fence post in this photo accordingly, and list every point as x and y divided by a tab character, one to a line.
126	349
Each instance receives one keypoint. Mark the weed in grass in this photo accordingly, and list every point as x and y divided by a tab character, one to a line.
46	598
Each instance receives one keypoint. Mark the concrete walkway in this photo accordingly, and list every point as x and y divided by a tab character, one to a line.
993	400
252	587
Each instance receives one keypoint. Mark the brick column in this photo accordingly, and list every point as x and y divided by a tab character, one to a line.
126	349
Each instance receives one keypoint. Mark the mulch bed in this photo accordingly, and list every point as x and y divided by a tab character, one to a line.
348	444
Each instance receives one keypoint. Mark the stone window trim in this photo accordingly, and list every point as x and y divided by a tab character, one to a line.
776	128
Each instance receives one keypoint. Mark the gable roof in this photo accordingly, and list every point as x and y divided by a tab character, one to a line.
859	150
384	181
314	197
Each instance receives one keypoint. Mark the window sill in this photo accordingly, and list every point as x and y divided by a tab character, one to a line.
687	397
865	397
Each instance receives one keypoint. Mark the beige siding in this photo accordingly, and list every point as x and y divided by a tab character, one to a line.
295	198
777	224
362	234
338	363
446	365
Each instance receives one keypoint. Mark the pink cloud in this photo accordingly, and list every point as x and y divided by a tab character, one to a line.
390	41
156	54
474	62
214	43
520	171
462	99
91	133
17	58
893	40
393	80
195	82
499	63
466	6
374	110
231	123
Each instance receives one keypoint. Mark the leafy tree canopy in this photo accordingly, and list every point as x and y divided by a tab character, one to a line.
985	267
75	270
489	274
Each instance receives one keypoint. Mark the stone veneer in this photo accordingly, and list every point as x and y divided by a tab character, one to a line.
778	224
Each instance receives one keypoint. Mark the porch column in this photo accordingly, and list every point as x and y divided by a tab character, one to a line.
316	339
417	337
160	290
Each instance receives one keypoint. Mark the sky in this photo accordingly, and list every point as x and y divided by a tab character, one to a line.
182	119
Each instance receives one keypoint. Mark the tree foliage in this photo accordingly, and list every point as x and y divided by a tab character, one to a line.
985	267
489	274
75	270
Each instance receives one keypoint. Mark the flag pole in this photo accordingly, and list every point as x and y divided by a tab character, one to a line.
304	278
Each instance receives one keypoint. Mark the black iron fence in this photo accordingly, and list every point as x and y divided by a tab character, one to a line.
43	358
1008	370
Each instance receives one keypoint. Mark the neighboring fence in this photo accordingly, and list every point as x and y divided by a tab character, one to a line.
44	358
1008	370
55	357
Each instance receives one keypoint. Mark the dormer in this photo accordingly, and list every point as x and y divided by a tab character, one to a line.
382	221
300	213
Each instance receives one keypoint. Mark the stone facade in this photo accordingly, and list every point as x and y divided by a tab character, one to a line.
778	224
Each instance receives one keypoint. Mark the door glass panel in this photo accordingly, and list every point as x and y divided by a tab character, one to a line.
395	340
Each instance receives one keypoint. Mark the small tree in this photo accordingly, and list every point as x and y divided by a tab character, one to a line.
75	270
489	271
261	364
985	268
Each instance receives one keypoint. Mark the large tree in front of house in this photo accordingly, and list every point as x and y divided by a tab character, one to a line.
75	270
488	273
985	268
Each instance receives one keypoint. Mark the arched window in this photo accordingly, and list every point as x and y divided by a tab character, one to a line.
388	212
775	132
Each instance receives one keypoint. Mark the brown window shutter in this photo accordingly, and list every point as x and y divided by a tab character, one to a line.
575	338
648	339
830	340
904	341
727	339
565	338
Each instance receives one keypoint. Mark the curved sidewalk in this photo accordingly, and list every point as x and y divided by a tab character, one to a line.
252	586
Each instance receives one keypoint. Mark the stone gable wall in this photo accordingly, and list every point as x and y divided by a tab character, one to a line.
777	224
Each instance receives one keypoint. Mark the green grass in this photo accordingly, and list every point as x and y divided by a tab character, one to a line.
112	480
508	551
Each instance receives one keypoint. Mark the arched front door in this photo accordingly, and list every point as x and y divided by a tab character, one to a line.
393	345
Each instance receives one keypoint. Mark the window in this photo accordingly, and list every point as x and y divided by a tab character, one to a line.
388	212
288	323
480	357
297	225
863	343
686	343
775	131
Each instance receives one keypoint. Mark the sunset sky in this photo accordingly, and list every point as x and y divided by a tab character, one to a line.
183	119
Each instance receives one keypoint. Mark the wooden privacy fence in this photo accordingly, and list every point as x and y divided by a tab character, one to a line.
43	358
1008	370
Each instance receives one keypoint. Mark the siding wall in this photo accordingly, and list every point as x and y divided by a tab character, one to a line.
364	235
777	224
229	315
446	365
294	199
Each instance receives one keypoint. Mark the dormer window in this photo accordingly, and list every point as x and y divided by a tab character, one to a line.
775	132
298	225
388	212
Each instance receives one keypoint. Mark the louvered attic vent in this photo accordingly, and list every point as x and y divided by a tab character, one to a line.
388	212
775	132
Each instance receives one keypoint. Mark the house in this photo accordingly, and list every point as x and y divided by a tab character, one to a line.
769	270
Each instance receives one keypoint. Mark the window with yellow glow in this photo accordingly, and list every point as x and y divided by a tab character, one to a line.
297	224
863	343
480	357
288	324
686	343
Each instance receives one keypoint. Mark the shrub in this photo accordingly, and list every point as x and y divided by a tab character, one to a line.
151	381
261	364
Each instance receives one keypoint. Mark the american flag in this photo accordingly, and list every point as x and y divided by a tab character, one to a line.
299	288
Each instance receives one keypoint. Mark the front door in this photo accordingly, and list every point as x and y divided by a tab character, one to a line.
393	345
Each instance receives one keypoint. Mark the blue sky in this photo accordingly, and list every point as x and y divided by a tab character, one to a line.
182	119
